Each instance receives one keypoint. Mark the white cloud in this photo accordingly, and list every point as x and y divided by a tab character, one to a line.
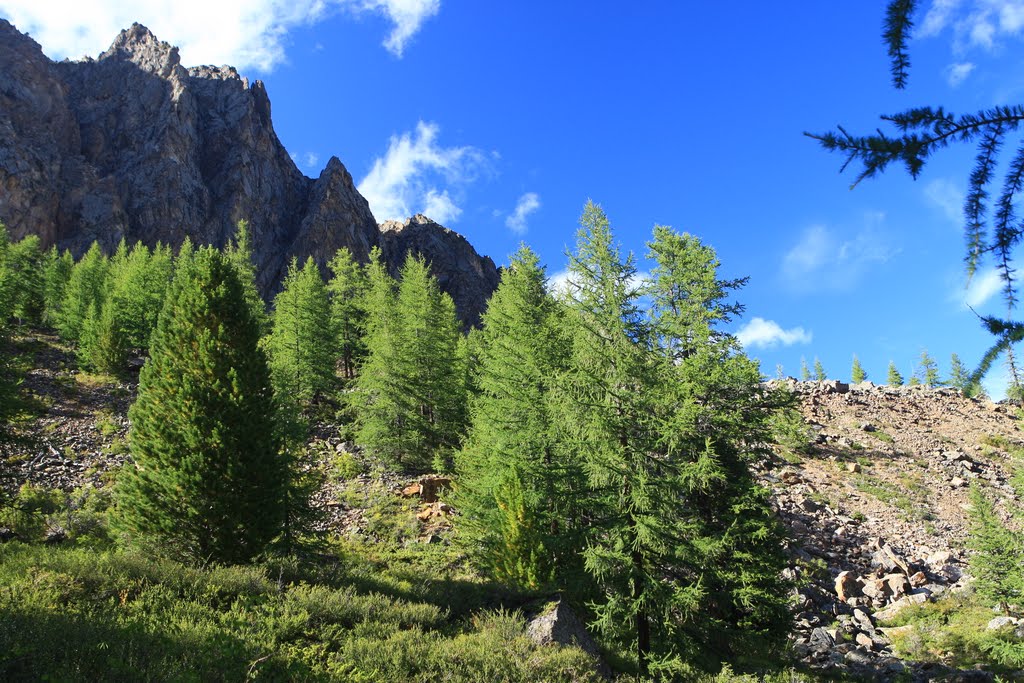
407	17
441	208
822	260
405	180
958	73
526	205
311	159
767	334
559	284
248	34
938	17
946	196
975	24
983	286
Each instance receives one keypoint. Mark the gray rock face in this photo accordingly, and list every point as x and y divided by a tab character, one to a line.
468	277
134	145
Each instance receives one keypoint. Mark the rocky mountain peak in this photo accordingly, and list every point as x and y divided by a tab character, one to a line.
139	46
468	277
133	145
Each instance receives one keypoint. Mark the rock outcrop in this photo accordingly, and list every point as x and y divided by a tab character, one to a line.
468	277
134	145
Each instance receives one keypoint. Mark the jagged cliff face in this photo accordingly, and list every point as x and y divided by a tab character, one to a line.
134	145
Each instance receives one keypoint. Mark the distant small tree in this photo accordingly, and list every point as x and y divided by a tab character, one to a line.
960	378
779	373
805	372
928	370
857	374
894	379
819	370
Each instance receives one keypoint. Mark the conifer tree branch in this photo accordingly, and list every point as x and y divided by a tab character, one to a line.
898	24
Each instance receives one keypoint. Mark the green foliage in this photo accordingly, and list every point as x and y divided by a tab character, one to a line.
857	374
791	432
960	378
138	283
103	344
894	378
998	561
208	480
953	631
819	370
410	392
927	371
25	262
515	480
74	614
80	515
347	289
301	345
238	252
85	288
805	372
683	547
57	267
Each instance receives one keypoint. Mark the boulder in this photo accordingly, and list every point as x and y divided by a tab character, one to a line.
559	625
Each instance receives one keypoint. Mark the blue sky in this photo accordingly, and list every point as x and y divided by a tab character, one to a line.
500	120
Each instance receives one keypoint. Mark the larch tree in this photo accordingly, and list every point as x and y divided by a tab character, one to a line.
653	405
347	291
208	480
57	267
819	370
805	372
86	287
301	344
239	253
25	261
517	486
928	370
894	378
857	373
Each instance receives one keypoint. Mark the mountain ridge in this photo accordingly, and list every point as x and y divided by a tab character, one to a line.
133	145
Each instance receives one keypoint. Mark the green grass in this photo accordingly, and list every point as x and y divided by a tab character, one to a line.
952	631
81	614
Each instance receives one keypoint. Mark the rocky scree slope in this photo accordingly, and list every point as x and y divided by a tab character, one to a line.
878	503
134	145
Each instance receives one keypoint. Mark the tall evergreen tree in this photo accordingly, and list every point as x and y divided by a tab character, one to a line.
517	485
85	287
57	267
960	378
857	374
347	289
25	261
675	517
209	481
300	347
805	372
138	283
894	378
103	342
239	253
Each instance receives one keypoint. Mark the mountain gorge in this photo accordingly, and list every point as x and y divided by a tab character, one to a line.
133	145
